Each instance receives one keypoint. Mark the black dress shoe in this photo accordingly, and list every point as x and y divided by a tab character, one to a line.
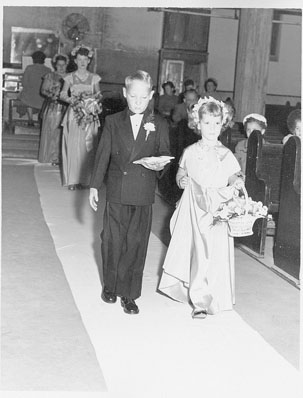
129	306
72	187
199	314
108	297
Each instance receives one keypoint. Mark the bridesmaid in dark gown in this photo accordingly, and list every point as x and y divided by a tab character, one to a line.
52	112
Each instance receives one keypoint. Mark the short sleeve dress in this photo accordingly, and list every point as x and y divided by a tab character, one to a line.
78	143
199	264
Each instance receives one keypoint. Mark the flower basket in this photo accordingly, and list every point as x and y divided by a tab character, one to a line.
241	214
241	225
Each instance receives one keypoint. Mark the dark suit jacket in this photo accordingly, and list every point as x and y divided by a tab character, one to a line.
126	182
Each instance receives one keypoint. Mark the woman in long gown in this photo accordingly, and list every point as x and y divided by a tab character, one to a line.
199	264
52	112
78	142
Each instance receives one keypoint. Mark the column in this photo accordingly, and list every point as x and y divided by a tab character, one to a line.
252	61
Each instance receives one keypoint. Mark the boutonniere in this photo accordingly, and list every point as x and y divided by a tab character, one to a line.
149	125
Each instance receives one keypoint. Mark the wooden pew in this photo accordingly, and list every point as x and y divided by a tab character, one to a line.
263	170
232	135
287	243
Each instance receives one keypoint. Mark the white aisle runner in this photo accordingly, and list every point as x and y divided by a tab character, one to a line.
161	352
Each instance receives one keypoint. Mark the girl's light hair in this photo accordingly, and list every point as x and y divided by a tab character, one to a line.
211	106
139	75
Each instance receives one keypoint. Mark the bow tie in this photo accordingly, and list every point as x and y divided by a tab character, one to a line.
131	113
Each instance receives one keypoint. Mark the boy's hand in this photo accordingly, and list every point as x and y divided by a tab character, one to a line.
154	163
93	198
156	166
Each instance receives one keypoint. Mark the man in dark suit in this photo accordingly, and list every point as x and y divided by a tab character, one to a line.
135	134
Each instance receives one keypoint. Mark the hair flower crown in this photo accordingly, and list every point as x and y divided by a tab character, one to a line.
76	49
194	120
54	60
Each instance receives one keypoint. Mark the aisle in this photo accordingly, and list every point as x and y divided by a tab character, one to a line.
44	345
161	351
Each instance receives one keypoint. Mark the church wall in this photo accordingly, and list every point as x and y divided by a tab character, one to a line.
130	38
126	38
284	75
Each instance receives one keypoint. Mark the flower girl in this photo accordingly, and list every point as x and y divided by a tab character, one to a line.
199	264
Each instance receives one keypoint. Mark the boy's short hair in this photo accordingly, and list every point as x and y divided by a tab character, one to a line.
139	75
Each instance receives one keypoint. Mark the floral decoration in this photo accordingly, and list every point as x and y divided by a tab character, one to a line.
76	49
149	125
194	120
53	91
54	60
239	206
86	108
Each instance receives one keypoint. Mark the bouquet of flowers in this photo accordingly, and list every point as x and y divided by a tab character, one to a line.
53	91
86	108
241	213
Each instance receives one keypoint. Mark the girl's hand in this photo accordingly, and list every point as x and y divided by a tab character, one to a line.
183	182
239	183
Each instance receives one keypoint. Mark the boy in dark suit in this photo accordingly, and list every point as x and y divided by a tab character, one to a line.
128	136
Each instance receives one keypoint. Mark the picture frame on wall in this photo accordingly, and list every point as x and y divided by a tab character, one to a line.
172	70
25	41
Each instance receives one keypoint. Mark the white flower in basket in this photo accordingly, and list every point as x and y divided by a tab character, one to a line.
149	126
240	214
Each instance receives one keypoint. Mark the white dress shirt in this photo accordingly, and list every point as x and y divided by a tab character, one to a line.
136	122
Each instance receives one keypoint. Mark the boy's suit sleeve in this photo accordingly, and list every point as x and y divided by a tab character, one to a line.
102	156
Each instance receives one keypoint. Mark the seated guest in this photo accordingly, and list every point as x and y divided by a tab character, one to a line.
226	129
293	124
251	122
153	103
210	89
188	84
168	100
30	95
180	111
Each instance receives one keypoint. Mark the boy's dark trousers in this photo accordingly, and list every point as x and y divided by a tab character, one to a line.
125	236
130	192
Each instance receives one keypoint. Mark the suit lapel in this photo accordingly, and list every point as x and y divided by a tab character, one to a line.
126	132
140	140
141	137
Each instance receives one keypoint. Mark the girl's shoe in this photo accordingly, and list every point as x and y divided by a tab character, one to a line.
199	314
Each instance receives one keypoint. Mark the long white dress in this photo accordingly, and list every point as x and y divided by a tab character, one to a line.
199	264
